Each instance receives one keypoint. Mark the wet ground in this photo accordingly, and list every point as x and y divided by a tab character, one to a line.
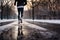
36	34
29	33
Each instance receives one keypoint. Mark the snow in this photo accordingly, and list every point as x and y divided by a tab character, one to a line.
46	21
7	20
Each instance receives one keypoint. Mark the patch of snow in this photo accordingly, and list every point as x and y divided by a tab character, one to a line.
46	21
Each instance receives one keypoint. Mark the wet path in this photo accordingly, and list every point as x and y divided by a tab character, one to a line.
30	33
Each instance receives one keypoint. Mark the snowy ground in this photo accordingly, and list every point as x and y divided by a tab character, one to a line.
46	21
7	20
37	20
